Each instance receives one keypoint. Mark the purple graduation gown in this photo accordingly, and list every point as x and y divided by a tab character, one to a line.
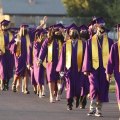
74	79
6	61
37	73
113	67
52	75
99	85
21	61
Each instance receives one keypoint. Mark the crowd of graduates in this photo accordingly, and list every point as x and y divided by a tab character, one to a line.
77	59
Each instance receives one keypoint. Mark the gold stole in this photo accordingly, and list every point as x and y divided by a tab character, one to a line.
18	50
105	51
79	54
50	51
2	41
69	54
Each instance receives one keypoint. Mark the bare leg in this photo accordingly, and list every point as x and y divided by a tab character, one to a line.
14	83
25	83
35	89
1	84
40	91
51	89
43	90
18	85
59	87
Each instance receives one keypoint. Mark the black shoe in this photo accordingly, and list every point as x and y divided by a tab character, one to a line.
6	88
69	108
14	88
92	112
35	92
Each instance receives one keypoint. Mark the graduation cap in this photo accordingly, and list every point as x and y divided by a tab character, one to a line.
24	25
71	27
40	31
83	28
5	22
100	21
14	30
59	25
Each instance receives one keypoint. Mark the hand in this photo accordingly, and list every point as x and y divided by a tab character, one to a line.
17	40
88	96
87	73
39	62
1	53
61	74
28	67
45	19
109	77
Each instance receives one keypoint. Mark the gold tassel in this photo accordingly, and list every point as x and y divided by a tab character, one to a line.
60	47
10	36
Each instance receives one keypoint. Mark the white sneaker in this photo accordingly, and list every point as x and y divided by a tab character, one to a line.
98	114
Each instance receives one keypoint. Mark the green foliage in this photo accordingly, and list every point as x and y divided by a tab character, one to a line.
109	9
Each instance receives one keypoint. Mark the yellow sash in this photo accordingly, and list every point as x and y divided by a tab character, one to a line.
69	54
2	41
18	50
79	54
105	51
50	51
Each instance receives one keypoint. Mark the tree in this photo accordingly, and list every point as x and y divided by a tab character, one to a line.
109	9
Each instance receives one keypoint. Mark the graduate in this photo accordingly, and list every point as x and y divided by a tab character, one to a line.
20	48
70	64
6	68
50	51
84	36
113	66
37	73
58	28
95	62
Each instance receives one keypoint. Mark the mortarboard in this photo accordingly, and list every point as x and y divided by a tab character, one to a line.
72	26
83	28
40	31
24	25
59	25
14	30
100	21
5	22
